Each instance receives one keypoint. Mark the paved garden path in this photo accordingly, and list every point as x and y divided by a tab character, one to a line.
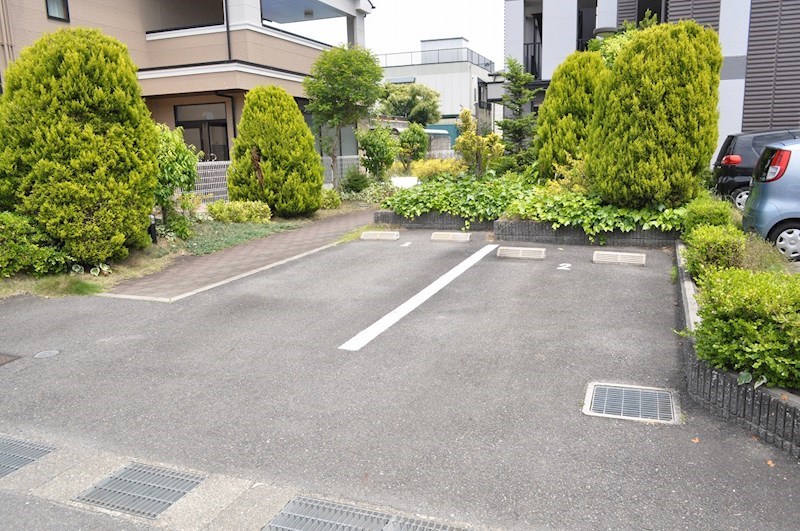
194	274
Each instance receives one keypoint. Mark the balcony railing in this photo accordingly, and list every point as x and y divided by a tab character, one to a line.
427	57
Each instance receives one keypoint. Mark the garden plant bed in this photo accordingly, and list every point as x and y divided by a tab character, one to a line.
432	221
772	414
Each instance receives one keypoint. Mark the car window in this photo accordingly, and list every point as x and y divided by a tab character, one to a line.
762	166
726	149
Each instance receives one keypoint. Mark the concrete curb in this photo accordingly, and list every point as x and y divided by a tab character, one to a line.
771	414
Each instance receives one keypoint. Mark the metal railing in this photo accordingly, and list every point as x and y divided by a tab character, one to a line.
426	57
533	59
212	180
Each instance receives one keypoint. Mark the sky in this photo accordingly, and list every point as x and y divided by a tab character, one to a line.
399	25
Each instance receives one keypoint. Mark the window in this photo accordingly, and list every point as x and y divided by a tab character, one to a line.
205	126
58	10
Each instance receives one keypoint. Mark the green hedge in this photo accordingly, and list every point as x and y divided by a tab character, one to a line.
331	199
705	210
714	247
240	211
751	322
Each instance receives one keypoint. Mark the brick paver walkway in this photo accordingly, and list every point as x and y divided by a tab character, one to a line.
190	274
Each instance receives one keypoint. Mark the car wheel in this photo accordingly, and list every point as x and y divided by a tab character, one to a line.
786	237
740	196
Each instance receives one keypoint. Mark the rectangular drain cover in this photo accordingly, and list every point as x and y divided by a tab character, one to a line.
611	257
528	253
15	454
306	514
451	237
647	404
5	358
141	490
380	235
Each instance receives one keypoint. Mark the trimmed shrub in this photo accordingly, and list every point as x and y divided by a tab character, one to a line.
274	159
425	169
240	211
25	249
78	145
413	145
354	180
567	110
380	149
655	125
374	194
331	200
705	210
751	322
714	247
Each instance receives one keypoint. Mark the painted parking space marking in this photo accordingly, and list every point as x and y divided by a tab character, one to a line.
384	323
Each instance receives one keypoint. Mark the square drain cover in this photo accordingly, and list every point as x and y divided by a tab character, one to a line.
141	490
5	358
307	514
15	454
648	404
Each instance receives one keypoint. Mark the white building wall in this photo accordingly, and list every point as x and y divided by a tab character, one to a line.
606	13
514	28
559	33
734	28
451	80
244	12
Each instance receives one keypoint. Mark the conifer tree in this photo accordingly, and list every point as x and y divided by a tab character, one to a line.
655	125
77	144
519	126
567	110
274	160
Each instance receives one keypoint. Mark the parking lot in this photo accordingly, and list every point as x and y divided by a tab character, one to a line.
465	409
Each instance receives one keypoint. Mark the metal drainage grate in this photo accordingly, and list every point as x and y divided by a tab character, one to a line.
380	235
6	358
647	404
451	237
529	253
15	454
611	257
141	490
308	514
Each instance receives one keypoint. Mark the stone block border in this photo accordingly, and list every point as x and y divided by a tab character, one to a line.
431	221
771	414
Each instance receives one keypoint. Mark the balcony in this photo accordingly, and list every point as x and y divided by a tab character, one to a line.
429	57
533	59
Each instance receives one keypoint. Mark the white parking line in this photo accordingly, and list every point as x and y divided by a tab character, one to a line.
383	324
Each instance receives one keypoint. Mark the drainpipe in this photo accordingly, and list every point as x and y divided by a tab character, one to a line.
228	30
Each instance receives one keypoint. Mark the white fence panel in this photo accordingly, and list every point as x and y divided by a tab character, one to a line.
212	179
442	154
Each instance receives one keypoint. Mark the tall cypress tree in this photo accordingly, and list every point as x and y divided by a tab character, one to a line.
274	160
77	144
655	125
567	110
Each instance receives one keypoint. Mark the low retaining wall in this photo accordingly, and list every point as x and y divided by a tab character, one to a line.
771	414
530	231
542	232
431	221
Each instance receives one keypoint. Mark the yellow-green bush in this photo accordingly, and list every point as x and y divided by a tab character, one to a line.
331	200
240	211
706	210
714	247
77	145
274	159
425	169
25	249
655	123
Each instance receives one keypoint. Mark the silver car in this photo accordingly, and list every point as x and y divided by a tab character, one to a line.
773	208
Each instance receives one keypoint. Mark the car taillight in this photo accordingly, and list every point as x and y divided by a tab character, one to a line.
731	160
778	164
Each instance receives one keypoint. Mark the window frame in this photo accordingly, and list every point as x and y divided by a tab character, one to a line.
50	16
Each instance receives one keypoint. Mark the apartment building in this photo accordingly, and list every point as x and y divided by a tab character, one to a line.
196	58
759	41
451	68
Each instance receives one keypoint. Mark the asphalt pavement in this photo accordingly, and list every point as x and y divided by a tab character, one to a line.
466	411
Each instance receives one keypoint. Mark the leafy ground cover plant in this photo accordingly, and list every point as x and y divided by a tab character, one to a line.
562	207
751	323
374	194
464	196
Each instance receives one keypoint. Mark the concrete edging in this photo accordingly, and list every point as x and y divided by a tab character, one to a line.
771	414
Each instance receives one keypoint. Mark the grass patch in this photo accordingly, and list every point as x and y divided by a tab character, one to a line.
211	236
355	234
64	286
